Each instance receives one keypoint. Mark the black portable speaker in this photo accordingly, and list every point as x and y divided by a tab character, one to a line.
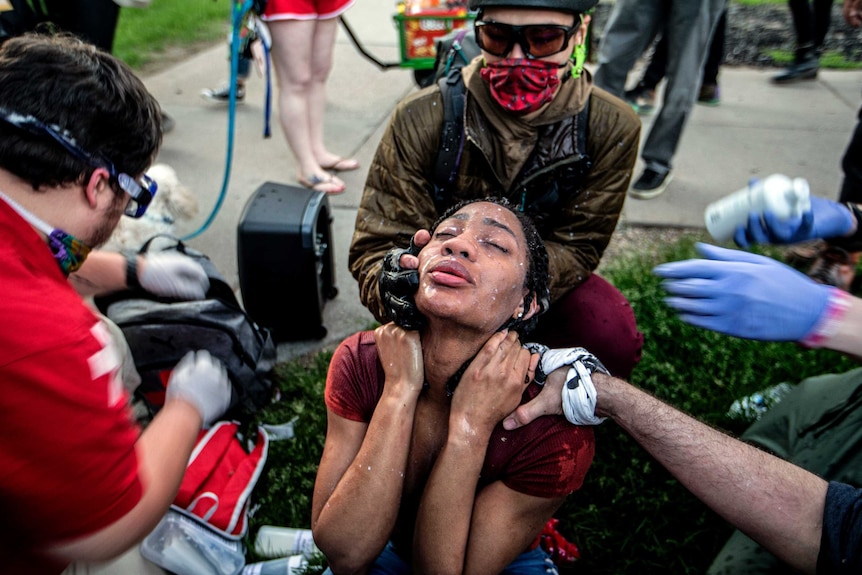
285	260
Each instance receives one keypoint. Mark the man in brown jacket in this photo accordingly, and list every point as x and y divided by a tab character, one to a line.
522	118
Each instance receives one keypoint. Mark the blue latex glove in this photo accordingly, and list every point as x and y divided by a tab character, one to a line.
744	295
826	219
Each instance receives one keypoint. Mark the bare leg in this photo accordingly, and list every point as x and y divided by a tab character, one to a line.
321	65
301	98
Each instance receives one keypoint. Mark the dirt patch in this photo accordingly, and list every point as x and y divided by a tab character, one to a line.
641	240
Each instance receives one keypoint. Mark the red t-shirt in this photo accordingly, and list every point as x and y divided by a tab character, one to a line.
547	458
67	441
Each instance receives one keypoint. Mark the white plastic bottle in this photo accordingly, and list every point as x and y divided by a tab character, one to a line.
273	541
777	193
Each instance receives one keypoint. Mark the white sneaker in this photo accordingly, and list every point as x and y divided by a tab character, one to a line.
222	95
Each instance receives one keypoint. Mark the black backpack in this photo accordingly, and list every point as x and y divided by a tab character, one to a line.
161	331
454	51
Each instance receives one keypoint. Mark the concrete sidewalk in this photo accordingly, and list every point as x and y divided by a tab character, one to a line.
759	129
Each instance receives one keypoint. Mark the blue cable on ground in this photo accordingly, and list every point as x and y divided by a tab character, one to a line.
267	112
239	11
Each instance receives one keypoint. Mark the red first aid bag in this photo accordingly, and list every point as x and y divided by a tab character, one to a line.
220	477
203	529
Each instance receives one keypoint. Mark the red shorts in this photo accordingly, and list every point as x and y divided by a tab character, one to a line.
305	9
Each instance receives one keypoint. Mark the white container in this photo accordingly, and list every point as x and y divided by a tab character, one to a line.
782	196
283	566
275	541
185	545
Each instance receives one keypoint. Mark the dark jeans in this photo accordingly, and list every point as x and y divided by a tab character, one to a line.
658	63
851	163
811	24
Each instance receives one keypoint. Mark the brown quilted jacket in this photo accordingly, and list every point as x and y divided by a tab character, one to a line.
502	152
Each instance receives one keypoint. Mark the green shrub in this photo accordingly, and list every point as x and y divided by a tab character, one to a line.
631	516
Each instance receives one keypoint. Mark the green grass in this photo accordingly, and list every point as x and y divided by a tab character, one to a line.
631	516
831	59
837	61
284	490
146	34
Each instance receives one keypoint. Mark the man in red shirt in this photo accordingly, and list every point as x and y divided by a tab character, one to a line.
81	483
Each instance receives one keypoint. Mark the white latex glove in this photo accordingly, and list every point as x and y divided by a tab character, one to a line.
202	380
173	275
579	393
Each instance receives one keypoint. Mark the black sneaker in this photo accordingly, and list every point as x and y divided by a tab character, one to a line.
222	94
650	184
709	95
641	100
805	66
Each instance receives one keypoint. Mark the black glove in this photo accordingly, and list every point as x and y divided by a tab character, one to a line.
397	287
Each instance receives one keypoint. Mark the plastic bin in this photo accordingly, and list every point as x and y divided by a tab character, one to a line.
419	27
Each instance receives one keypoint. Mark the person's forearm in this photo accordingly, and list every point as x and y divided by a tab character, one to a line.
446	510
359	514
102	272
366	269
852	11
393	207
163	452
774	502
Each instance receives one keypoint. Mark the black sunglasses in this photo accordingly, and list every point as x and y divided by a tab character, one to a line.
536	40
140	191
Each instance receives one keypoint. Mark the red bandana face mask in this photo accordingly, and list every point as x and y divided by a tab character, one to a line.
521	85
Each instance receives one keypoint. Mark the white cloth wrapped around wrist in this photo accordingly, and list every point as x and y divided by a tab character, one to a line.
579	393
579	396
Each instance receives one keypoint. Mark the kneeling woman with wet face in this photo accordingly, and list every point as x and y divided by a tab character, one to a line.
417	472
